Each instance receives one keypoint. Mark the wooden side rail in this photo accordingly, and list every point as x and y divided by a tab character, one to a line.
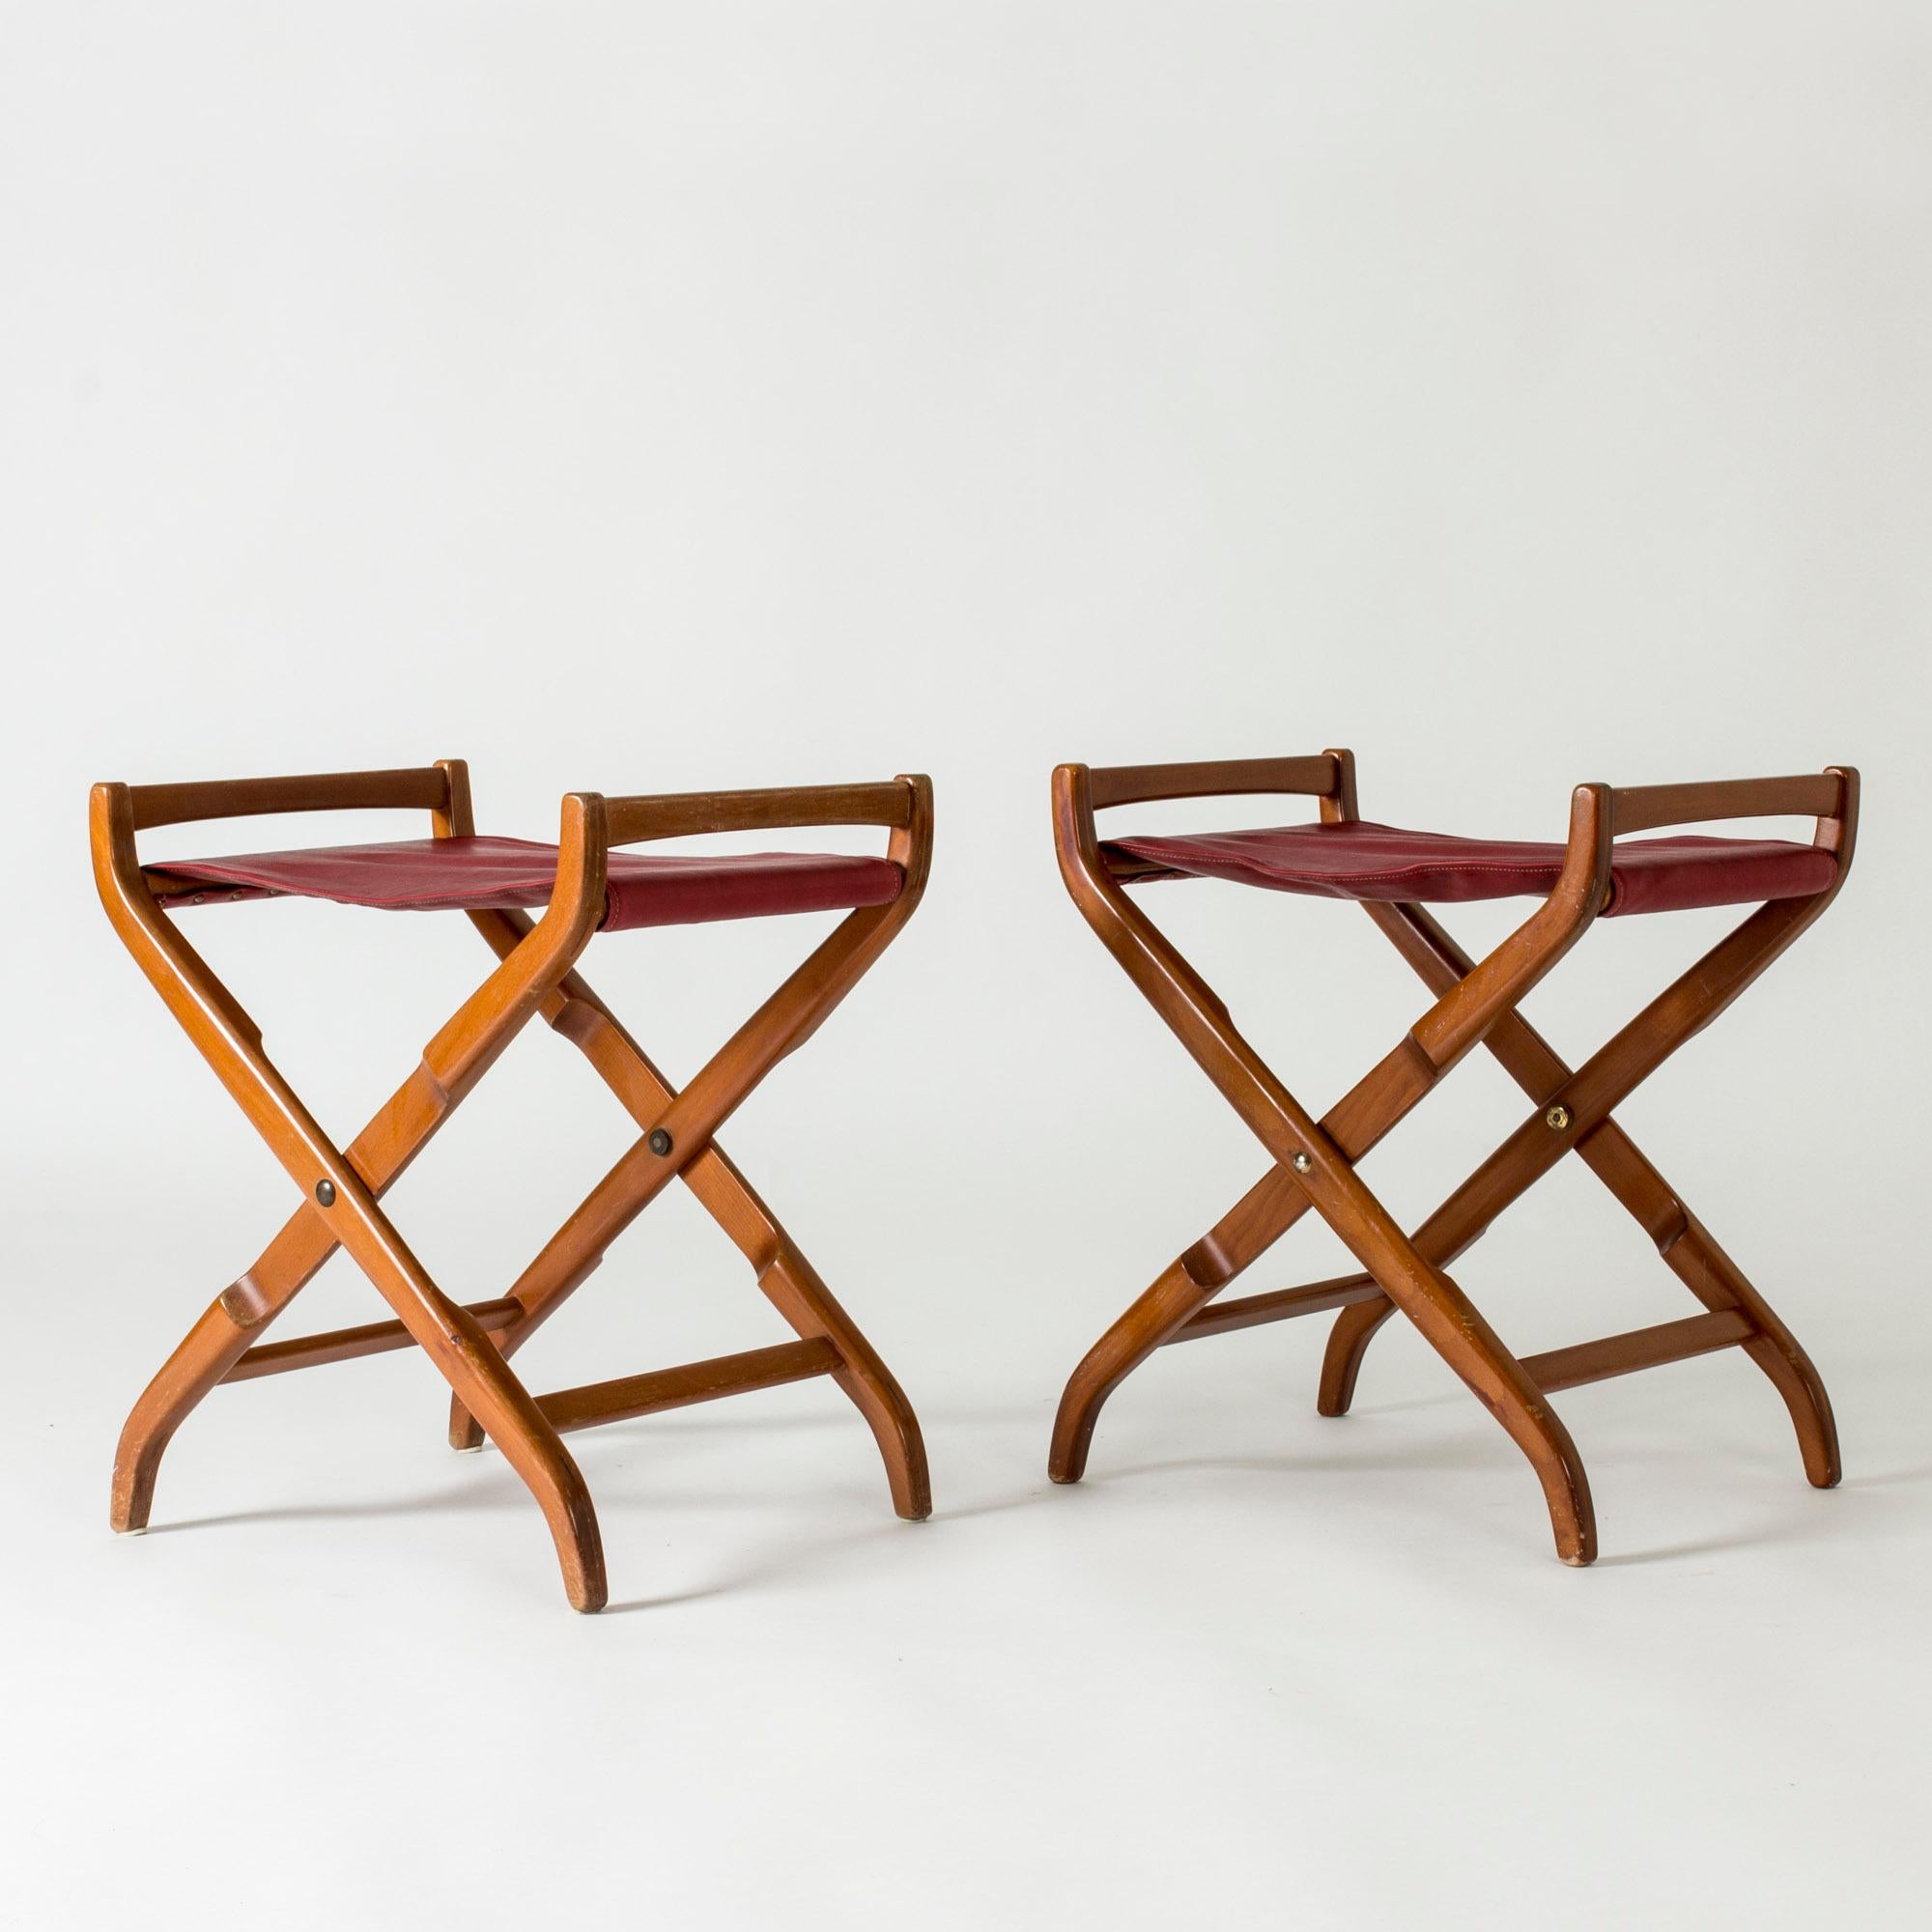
1646	807
417	788
1638	1348
1557	1369
1281	1304
678	814
1328	775
345	1345
1317	776
692	1381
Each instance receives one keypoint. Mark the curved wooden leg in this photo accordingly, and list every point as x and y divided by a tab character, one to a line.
487	1388
212	1348
1449	1322
1566	1488
1452	1325
794	1288
460	1349
1246	1232
483	1381
1151	1320
233	1321
465	1433
1798	1382
1472	1349
479	1377
1348	1339
1718	1282
1691	1253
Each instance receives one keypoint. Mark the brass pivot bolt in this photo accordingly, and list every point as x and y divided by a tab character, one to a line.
1557	1117
325	1192
657	1141
1301	1164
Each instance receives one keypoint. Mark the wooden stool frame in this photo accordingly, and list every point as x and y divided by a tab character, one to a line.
342	1187
1315	1161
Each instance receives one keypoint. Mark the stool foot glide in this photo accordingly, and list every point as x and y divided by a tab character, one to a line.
1392	875
583	884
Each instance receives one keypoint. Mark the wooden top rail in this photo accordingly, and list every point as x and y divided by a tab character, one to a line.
1317	776
674	814
1645	808
418	788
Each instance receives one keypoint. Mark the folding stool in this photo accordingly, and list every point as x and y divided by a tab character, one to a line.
1393	874
584	884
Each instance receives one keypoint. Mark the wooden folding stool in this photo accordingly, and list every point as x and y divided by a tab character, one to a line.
584	884
1392	873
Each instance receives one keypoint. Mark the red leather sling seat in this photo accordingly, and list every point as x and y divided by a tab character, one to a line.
1364	860
459	874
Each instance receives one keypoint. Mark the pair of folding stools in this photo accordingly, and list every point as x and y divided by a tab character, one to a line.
588	883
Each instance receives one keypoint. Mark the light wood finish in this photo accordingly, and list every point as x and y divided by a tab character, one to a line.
1476	1003
471	1344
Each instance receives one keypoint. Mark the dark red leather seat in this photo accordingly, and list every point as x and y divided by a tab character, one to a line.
1364	860
456	875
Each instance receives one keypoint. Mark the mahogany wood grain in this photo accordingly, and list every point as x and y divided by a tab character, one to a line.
1280	1304
347	1345
1227	778
341	1188
1816	795
419	788
1316	1162
630	1396
1476	1002
1638	1348
676	815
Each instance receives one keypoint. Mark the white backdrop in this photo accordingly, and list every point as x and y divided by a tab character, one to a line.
645	397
